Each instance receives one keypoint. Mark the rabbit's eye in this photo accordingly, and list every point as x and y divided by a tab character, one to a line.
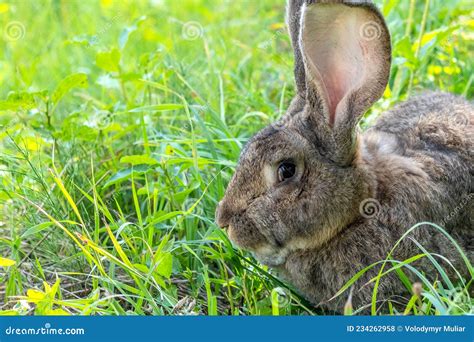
286	170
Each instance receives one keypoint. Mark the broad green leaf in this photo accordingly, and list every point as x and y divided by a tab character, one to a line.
54	289
22	100
47	287
138	159
125	174
159	280
164	241
162	216
36	229
71	81
35	295
144	269
404	49
141	268
388	6
108	60
164	265
181	196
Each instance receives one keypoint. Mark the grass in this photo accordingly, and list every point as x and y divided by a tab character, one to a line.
121	126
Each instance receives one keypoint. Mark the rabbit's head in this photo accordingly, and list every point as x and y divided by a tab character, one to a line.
298	181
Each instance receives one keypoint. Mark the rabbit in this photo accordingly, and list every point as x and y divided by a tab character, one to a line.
318	200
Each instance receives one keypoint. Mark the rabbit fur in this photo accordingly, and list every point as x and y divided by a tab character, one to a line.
353	195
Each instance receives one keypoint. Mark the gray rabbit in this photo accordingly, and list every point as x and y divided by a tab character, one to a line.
318	200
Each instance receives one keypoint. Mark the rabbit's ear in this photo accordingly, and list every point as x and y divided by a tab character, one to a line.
346	52
293	19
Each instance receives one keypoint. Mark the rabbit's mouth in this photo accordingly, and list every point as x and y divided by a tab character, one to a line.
271	260
264	253
270	256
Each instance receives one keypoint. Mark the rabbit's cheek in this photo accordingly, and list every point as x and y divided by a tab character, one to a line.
243	232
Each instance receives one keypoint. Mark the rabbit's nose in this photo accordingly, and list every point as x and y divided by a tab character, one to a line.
222	215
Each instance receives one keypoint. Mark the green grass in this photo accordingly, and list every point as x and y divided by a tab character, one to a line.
121	126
